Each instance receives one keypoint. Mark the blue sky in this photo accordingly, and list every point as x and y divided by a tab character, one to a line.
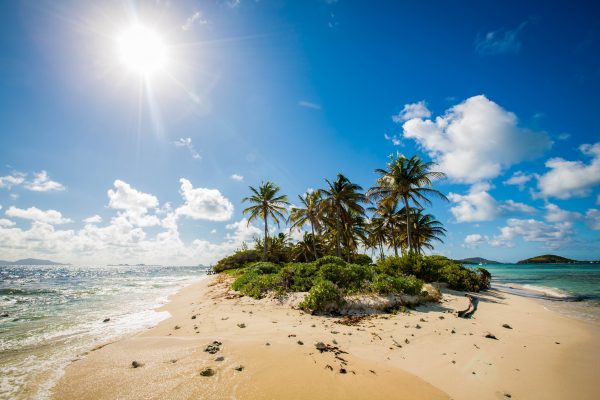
103	164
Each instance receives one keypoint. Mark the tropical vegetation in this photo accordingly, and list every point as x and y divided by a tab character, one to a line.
344	221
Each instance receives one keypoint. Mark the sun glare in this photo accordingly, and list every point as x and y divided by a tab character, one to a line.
142	50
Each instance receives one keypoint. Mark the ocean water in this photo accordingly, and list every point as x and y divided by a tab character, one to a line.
50	315
572	289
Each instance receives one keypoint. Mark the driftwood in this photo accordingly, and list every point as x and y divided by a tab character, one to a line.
470	310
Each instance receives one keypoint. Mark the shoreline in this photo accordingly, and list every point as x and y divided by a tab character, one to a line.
428	353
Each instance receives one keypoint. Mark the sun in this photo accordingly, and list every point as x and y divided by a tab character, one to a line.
142	50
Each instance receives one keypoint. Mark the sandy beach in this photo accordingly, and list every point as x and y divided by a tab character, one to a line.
268	350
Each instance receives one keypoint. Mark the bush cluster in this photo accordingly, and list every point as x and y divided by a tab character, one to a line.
329	278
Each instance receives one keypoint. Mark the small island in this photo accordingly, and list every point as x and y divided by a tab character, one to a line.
30	261
477	260
547	259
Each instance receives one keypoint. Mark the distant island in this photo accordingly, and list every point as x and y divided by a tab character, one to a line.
30	261
547	259
477	260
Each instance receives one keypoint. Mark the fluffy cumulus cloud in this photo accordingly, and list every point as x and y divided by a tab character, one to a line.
237	177
410	111
203	203
592	219
566	179
479	205
551	236
42	183
475	140
126	237
519	179
474	240
51	217
556	214
14	179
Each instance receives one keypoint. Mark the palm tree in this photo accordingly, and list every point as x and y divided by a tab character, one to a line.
387	212
266	203
378	234
425	230
406	180
309	213
339	199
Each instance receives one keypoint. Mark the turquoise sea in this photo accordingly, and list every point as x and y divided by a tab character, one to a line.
50	315
571	289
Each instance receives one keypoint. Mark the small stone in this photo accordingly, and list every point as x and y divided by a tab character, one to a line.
177	327
267	344
507	395
193	317
343	370
207	372
557	342
422	320
220	358
300	342
507	326
321	347
242	325
105	319
135	364
406	341
452	331
239	368
334	341
490	336
418	326
441	317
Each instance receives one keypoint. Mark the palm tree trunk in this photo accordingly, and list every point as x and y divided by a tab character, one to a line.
381	249
266	237
407	210
312	228
337	234
394	240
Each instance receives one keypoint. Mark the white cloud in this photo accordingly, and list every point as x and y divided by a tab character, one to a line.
51	217
134	205
203	203
94	219
213	231
530	230
592	219
478	205
475	140
410	111
308	104
394	139
14	179
195	18
6	222
187	142
474	240
568	179
500	41
519	179
556	214
42	183
237	177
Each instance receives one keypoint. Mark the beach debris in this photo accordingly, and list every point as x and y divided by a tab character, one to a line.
350	320
135	364
406	341
557	342
507	326
239	368
213	348
418	326
220	358
291	335
470	310
242	325
173	361
453	362
207	372
193	317
329	367
343	370
441	317
177	327
105	319
422	320
334	341
452	331
373	372
507	395
300	342
267	344
224	318
490	336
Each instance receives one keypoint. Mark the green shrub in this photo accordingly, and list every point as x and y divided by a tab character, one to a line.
361	259
254	284
346	276
387	284
303	275
323	296
264	267
484	277
329	260
237	260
